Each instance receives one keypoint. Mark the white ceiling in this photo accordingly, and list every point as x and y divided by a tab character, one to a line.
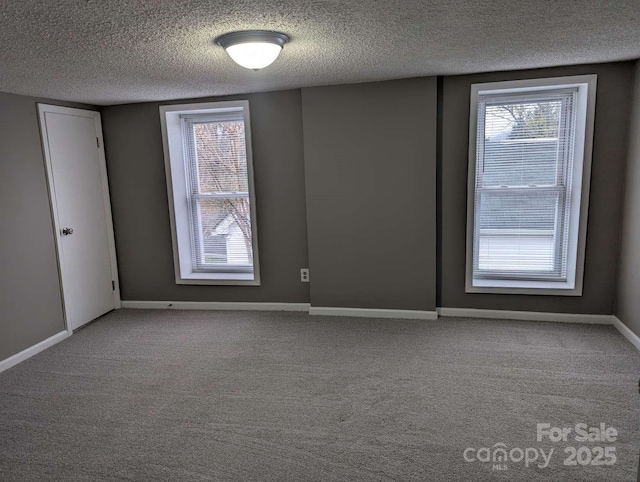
118	51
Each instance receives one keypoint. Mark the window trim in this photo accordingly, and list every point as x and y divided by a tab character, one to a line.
585	109
177	189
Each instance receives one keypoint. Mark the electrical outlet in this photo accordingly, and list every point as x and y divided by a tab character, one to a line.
304	275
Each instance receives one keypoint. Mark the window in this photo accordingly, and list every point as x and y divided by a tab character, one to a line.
529	169
210	185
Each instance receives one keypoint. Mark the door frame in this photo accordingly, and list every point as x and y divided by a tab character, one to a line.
56	109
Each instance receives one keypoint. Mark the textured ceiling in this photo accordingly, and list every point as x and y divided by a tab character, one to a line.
118	51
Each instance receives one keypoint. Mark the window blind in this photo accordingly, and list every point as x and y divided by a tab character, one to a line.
523	185
218	192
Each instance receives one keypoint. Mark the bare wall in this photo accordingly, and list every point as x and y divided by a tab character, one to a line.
135	164
605	206
370	164
30	298
628	299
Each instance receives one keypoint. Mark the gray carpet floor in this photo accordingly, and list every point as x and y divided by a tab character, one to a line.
244	396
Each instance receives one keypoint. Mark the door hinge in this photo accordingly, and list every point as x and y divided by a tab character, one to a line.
98	142
113	285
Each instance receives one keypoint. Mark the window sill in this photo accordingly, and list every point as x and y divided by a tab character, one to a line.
230	279
524	287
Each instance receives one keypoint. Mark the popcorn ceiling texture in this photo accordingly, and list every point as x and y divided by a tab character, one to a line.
109	52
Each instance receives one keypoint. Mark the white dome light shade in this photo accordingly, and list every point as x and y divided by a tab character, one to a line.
254	55
253	49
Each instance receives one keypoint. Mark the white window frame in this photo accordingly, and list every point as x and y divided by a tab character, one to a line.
177	189
585	119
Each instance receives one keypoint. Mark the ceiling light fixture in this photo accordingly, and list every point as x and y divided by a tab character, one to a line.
253	49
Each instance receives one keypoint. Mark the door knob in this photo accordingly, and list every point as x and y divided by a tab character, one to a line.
67	231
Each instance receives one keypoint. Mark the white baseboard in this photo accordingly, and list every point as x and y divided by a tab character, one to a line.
373	313
34	350
626	332
215	305
526	315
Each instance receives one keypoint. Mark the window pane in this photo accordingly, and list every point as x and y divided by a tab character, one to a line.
221	157
516	231
225	227
524	232
521	144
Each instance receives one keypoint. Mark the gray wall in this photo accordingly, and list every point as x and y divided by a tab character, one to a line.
628	299
605	206
135	165
370	160
30	300
369	164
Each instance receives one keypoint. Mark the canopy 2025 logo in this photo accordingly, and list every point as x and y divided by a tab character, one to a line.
499	455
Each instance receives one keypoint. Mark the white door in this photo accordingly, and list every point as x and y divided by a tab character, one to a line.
72	141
